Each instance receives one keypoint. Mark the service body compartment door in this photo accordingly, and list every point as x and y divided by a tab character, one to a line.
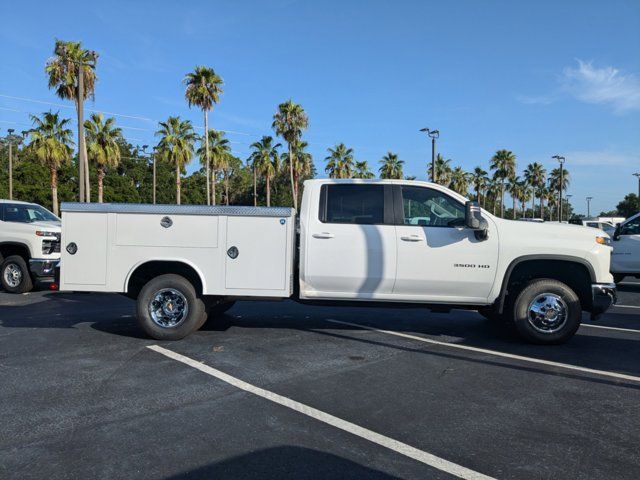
258	254
83	250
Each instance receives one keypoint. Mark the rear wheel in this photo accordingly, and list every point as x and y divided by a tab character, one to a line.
14	275
169	308
546	311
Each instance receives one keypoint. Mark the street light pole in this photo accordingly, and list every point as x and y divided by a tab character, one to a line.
638	176
11	139
589	206
433	134
561	160
153	157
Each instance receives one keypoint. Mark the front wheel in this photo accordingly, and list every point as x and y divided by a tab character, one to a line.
14	275
169	308
547	311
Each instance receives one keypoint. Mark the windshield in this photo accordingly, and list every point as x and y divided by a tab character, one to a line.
27	213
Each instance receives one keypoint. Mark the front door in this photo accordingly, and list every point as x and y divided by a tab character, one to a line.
440	260
350	249
626	250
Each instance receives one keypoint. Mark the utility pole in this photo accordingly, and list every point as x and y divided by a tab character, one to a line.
638	176
153	157
567	198
433	134
589	206
561	160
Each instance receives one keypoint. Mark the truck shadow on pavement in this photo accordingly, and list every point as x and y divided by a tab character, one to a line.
286	462
114	315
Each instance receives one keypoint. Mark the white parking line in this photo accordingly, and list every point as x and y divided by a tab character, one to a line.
496	353
382	440
625	306
604	327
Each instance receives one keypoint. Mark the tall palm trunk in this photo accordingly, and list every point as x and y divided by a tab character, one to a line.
213	186
255	187
478	195
206	153
542	208
268	191
54	190
514	207
293	186
502	199
226	188
533	203
100	183
178	185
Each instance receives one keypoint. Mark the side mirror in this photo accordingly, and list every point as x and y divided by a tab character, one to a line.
616	234
473	220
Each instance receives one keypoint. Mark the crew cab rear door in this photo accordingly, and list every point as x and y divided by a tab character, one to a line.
350	244
439	260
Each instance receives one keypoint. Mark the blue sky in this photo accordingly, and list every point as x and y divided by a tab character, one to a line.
536	77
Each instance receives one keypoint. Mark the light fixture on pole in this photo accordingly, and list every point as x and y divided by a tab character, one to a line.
433	134
561	160
589	206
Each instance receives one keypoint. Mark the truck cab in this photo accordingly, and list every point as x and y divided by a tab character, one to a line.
29	245
625	260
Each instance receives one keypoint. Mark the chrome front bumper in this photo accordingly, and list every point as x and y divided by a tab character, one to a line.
604	295
43	267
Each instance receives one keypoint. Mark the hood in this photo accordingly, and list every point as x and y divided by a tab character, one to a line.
552	229
53	226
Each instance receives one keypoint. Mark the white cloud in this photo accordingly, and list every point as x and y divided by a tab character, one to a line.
607	85
587	83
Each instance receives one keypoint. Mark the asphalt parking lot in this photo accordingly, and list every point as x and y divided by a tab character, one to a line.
280	390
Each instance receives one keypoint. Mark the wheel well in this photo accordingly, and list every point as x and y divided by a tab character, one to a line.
8	249
147	271
572	273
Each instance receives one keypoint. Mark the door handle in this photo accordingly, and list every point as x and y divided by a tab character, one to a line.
411	238
323	235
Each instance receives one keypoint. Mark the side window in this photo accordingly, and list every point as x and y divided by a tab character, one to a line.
631	228
430	208
357	204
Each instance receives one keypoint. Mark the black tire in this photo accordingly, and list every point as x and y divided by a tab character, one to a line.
618	277
166	286
17	265
556	334
215	308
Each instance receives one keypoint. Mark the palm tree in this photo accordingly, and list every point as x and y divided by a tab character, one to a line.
534	176
504	165
51	144
266	161
493	191
362	170
339	162
219	151
203	90
288	122
443	171
103	149
176	145
554	181
63	70
513	187
479	181
302	163
391	166
523	197
460	181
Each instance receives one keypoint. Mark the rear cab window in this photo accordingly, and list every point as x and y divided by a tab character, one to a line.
357	204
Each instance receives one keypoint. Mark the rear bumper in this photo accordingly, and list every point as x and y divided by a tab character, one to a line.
604	295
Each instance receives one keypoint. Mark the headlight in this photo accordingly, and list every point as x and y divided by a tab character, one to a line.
45	233
604	241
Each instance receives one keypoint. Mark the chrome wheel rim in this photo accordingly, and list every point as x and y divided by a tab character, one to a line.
168	308
13	275
547	313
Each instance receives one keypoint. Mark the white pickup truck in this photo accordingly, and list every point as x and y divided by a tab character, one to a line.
355	242
29	245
